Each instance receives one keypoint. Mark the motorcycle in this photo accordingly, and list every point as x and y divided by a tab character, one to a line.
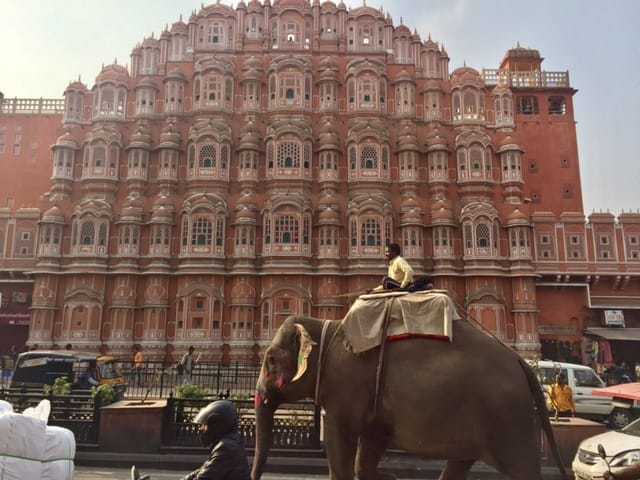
630	472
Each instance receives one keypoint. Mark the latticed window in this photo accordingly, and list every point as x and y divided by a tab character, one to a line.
369	157
483	235
307	155
87	233
99	156
370	233
185	231
352	158
102	235
219	232
201	231
288	155
286	229
207	156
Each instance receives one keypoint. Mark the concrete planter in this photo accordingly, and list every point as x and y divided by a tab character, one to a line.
132	427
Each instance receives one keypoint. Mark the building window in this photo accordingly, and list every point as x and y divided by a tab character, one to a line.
286	229
528	105
557	106
201	232
288	155
370	233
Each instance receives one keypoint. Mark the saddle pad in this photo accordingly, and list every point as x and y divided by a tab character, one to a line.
421	314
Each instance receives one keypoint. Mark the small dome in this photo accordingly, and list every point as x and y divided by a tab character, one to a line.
508	144
113	73
517	217
175	75
66	140
241	5
53	215
149	42
404	76
245	214
146	83
401	30
170	136
76	86
141	138
441	213
466	76
179	27
329	216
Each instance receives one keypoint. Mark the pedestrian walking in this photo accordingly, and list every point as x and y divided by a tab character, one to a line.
187	363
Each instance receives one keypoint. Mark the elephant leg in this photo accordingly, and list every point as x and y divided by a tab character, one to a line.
456	469
341	445
371	447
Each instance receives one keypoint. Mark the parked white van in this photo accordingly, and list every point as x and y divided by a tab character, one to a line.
582	380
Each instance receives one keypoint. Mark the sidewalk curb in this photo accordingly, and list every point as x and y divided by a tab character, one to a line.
402	466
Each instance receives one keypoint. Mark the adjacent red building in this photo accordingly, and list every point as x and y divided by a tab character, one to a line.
252	163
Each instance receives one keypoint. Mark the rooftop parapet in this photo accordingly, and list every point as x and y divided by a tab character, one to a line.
528	79
32	106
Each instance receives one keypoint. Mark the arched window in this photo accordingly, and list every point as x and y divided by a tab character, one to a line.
207	157
288	155
87	233
201	231
287	229
369	157
99	156
370	234
483	235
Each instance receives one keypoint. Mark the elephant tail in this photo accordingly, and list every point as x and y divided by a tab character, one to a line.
541	407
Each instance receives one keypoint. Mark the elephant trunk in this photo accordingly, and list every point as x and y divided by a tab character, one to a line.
264	438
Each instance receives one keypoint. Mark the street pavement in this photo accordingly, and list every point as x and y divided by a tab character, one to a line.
91	473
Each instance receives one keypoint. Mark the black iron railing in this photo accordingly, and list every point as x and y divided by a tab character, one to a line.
77	412
296	426
161	381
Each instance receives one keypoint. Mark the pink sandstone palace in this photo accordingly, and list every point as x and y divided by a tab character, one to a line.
252	163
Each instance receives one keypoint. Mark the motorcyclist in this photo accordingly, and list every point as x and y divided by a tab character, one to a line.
219	431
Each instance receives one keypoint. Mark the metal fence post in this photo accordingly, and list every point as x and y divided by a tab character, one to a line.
218	379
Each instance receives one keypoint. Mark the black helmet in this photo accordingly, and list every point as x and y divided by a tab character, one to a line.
220	417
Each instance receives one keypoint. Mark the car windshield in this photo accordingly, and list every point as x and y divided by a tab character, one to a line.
633	428
548	375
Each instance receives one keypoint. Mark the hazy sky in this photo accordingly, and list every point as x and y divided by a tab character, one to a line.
47	43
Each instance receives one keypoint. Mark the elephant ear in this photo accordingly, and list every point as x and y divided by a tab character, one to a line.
306	345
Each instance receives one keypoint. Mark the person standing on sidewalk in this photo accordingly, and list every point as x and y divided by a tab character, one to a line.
561	397
138	365
187	363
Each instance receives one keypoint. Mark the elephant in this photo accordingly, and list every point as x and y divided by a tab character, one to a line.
472	399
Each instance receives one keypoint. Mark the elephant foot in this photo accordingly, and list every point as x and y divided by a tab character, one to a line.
456	470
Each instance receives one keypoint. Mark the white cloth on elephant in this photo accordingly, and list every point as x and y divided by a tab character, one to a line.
429	314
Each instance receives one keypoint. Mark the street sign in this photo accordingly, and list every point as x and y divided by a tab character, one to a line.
614	318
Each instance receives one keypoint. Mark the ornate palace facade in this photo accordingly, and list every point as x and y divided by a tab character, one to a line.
252	163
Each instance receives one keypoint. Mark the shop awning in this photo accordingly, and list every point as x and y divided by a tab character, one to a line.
630	334
614	302
630	391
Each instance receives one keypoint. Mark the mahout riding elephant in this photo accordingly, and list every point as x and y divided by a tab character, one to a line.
468	400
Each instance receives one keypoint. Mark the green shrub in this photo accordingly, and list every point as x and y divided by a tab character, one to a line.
190	391
61	386
104	395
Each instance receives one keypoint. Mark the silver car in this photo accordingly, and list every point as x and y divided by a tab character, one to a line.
622	449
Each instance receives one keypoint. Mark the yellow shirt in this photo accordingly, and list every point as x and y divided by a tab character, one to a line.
400	271
562	398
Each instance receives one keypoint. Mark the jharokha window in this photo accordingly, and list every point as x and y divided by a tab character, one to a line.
289	158
368	161
369	234
287	233
208	158
203	234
